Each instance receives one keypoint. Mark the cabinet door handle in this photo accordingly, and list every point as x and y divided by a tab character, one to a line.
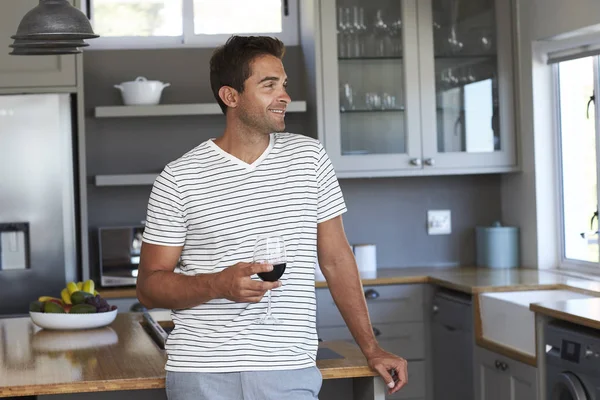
371	294
430	162
504	366
415	161
376	332
498	364
449	328
435	309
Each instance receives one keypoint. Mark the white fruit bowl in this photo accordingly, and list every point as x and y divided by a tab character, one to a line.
68	321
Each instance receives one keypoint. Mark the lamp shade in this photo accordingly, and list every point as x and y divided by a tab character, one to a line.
54	20
44	51
20	43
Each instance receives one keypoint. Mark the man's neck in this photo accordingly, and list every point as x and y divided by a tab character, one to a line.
242	143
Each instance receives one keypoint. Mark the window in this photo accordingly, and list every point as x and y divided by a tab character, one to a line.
576	82
132	24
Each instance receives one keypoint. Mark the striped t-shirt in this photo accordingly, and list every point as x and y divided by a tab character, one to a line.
215	206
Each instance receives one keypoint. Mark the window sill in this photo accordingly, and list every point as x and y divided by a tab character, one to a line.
580	271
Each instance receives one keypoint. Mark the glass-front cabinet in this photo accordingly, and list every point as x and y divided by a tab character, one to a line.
418	86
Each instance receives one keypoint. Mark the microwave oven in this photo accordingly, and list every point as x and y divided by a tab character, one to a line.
119	254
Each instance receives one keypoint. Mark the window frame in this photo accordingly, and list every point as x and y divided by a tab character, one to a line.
189	39
565	263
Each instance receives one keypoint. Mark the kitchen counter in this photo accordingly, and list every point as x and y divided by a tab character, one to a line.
469	280
121	356
585	312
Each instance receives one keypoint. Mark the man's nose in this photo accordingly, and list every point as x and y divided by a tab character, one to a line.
285	98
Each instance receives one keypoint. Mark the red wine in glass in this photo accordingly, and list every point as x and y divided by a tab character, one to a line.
272	276
270	250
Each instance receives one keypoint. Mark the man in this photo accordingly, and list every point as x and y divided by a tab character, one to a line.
209	206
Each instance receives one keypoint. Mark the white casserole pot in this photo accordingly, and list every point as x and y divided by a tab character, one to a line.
141	91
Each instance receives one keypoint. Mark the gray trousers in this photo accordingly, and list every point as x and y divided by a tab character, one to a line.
295	384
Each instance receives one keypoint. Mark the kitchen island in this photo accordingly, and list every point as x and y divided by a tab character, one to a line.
122	357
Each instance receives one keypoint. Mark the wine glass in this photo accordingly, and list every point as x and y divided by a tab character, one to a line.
270	250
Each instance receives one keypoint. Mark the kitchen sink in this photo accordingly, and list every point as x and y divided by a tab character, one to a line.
507	320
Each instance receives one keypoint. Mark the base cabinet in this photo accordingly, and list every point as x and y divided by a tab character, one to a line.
397	316
500	378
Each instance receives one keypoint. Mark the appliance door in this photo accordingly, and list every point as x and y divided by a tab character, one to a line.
566	386
453	340
119	254
36	198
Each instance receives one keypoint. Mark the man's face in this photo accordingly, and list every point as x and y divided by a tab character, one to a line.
264	100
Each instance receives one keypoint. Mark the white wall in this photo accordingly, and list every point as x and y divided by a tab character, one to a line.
556	17
529	198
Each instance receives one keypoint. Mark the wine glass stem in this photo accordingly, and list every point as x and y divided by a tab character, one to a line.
269	303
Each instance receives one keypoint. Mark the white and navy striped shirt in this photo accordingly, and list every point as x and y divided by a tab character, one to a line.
215	206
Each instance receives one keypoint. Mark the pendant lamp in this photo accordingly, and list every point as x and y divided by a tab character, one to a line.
52	27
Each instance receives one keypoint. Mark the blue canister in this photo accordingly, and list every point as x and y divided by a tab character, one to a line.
497	246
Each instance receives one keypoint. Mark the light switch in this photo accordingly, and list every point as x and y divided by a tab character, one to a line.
439	222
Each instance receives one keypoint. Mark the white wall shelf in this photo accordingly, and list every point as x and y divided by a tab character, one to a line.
163	110
125	180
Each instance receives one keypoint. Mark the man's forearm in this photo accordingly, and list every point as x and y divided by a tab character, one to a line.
167	289
346	289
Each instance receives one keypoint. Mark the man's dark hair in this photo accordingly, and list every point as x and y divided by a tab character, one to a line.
230	64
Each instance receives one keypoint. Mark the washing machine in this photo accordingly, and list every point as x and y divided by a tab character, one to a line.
572	362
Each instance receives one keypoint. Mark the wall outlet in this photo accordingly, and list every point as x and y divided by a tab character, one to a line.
439	222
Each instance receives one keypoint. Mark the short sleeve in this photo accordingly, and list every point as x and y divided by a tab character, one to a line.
330	199
165	221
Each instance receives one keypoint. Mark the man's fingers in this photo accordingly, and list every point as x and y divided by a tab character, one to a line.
401	378
254	299
256	268
385	375
261	286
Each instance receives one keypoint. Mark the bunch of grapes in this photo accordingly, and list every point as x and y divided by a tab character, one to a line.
100	303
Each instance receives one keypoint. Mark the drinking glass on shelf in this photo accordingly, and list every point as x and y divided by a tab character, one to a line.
388	101
372	101
270	250
381	33
346	97
396	38
342	34
360	30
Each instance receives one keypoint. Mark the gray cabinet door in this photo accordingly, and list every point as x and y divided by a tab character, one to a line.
452	363
467	93
491	383
501	378
29	71
523	381
452	346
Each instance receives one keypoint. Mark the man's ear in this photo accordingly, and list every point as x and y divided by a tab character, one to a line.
229	96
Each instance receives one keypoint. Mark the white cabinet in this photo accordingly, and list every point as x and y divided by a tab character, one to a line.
29	71
416	87
501	378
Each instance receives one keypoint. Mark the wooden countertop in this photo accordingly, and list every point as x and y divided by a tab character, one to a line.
465	279
584	312
121	356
